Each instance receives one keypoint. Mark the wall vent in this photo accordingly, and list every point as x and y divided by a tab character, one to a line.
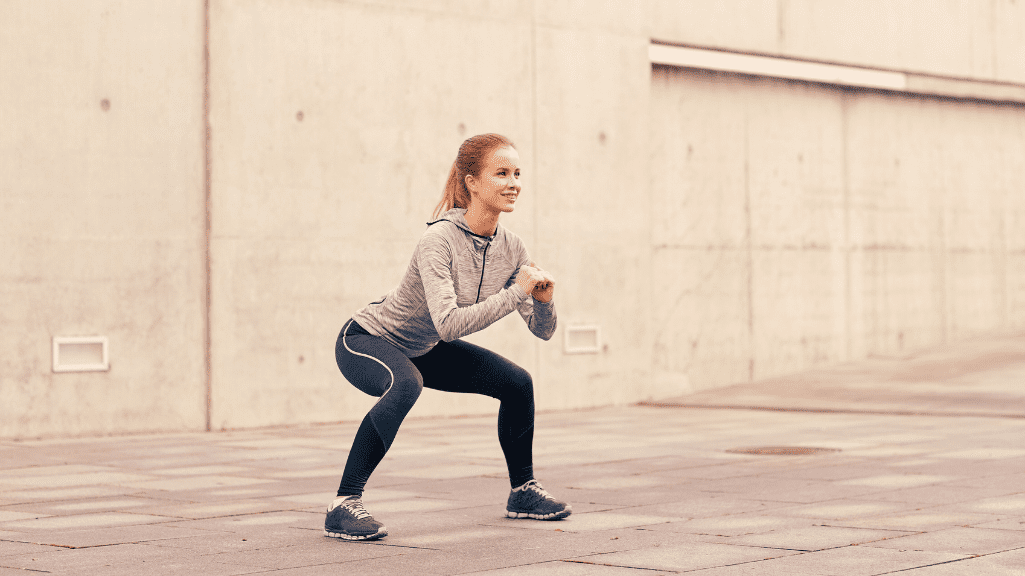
583	340
80	354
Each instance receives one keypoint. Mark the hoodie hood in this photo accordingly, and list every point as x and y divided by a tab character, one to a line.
457	216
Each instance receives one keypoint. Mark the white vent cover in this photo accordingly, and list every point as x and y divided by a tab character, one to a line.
80	354
583	340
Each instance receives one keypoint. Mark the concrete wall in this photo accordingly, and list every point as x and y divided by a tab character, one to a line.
716	227
101	213
316	217
802	225
983	40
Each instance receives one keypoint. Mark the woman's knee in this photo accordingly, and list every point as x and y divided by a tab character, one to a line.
406	389
520	382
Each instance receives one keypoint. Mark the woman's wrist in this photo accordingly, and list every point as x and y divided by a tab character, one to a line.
519	291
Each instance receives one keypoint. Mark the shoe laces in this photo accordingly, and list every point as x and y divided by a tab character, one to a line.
536	488
355	506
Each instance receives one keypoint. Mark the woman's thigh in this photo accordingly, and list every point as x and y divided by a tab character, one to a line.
370	363
459	366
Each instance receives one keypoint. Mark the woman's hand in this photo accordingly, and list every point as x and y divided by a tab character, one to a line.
529	277
544	290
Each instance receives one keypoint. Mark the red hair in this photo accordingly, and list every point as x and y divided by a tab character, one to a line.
472	154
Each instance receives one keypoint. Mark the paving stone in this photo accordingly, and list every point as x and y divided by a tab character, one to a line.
968	541
843	509
208	542
1009	504
193	483
312	553
55	470
1004	524
205	470
470	490
694	556
854	561
90	505
565	568
923	521
590	522
937	494
242	523
87	538
836	468
68	493
1010	563
83	521
221	509
626	497
446	471
11	515
11	548
756	568
970	471
705	505
268	454
899	480
16	567
734	525
983	453
663	464
617	483
786	490
87	560
328	472
170	566
100	505
415	505
28	482
815	538
473	557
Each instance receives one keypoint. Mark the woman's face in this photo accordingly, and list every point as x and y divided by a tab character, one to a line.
498	185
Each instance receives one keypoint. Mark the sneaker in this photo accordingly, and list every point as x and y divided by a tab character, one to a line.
532	501
349	520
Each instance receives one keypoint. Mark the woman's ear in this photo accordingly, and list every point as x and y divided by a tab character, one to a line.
471	182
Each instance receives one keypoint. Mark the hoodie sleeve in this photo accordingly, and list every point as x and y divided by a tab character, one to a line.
434	261
539	316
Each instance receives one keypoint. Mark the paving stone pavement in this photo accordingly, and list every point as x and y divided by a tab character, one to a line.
656	489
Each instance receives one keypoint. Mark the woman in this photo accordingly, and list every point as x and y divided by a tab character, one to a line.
466	273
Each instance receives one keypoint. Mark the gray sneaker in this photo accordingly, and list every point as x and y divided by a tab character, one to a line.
533	501
349	520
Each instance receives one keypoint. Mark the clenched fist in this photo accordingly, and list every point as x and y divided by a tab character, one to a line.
540	284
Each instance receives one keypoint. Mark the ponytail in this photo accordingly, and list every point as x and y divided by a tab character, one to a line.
455	194
472	154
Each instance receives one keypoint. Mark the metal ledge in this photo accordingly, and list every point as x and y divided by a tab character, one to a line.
834	74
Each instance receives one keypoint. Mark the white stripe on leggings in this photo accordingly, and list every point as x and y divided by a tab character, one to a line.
390	373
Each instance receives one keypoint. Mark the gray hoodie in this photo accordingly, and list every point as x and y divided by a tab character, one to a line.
456	284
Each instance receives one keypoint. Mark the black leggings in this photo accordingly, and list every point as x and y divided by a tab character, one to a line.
378	368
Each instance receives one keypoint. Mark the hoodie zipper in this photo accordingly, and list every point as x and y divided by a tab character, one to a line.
482	266
487	239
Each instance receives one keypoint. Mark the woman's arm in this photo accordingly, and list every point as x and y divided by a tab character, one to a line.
538	311
434	260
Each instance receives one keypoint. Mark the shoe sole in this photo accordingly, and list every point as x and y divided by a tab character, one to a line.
536	516
352	537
